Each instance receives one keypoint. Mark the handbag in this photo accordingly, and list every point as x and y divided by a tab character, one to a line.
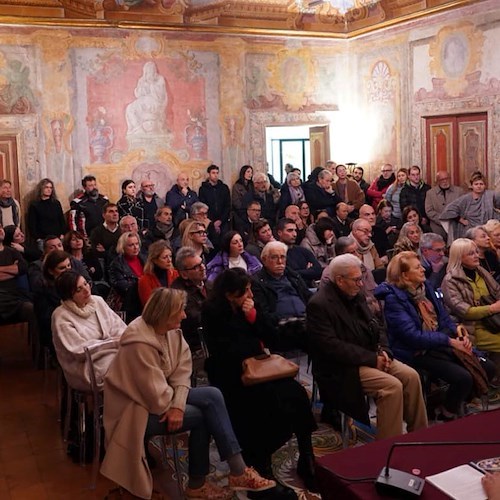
267	367
492	322
472	364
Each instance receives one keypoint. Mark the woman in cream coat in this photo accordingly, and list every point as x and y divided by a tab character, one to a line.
147	393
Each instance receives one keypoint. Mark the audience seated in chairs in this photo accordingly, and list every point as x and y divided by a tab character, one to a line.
158	270
263	415
232	254
305	213
341	221
379	235
411	214
163	228
493	229
293	212
243	224
74	243
241	187
351	358
80	321
282	296
361	231
124	273
291	193
147	393
387	223
104	237
195	236
422	334
463	286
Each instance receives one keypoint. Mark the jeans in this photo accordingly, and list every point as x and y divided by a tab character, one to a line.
205	415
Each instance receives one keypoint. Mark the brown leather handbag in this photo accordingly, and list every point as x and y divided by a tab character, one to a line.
267	367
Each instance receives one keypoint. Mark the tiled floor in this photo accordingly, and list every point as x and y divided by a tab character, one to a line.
33	461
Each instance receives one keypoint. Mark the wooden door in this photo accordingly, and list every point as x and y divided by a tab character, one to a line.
457	144
319	141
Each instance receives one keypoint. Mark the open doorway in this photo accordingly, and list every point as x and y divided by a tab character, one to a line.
303	146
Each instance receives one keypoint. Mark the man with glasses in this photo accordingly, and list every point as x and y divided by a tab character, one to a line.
150	201
433	258
437	198
362	232
282	294
265	196
351	358
244	224
381	184
379	236
192	276
199	212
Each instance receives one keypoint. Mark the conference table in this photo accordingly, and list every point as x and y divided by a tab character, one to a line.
368	460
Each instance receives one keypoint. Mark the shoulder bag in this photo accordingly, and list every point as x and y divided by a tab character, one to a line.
267	367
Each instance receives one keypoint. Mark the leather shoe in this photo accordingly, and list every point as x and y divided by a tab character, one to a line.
306	470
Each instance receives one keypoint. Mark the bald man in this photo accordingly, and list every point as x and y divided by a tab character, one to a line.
180	198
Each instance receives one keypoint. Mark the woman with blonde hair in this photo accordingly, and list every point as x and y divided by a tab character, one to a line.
408	239
158	270
492	227
463	286
195	236
394	191
420	331
147	393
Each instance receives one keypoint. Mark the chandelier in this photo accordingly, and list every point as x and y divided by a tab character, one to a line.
341	6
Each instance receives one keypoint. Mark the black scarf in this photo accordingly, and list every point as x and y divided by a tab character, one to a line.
383	183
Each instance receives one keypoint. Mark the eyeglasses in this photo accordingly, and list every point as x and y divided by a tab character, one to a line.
198	267
438	250
202	213
366	231
358	281
200	232
386	171
277	258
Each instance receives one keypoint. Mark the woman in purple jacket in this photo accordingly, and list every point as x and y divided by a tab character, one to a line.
421	332
232	254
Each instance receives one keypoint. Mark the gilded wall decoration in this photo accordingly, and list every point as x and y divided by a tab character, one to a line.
139	46
455	53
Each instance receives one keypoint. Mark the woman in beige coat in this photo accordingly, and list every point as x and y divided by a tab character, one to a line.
463	286
147	392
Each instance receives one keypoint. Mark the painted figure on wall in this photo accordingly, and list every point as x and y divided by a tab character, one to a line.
16	96
147	114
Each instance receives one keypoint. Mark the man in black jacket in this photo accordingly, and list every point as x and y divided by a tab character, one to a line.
414	192
350	356
282	295
320	194
215	194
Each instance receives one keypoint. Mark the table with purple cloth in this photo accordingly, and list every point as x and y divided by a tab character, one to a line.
368	460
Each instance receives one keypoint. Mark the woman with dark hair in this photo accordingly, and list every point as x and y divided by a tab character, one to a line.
80	321
320	240
412	215
264	415
15	238
232	254
45	213
46	300
74	243
158	270
147	392
128	204
305	213
387	222
241	187
471	209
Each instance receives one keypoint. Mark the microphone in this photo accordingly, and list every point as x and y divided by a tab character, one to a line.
400	484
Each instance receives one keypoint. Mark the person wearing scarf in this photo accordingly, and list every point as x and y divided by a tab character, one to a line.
381	184
422	334
362	233
9	207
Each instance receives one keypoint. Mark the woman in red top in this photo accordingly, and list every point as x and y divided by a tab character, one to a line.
158	270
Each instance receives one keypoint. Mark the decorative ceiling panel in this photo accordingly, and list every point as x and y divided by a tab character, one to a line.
312	17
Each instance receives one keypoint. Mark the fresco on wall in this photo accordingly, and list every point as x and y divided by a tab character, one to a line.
146	104
16	96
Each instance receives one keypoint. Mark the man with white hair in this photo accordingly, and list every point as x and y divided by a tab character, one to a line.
320	194
282	295
351	358
263	193
361	231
